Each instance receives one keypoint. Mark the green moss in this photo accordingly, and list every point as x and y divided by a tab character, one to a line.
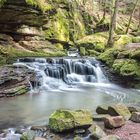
62	120
135	54
2	2
122	41
9	55
109	56
93	53
127	67
41	4
58	27
82	51
136	39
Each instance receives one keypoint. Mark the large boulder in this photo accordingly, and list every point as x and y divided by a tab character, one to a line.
135	117
114	122
96	132
63	120
119	110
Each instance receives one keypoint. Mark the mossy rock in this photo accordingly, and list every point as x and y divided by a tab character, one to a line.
119	110
64	120
96	42
127	67
82	51
136	39
122	41
135	54
109	56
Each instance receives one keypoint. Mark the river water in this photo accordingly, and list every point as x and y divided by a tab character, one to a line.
63	84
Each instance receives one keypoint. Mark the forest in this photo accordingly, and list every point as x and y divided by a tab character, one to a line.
69	69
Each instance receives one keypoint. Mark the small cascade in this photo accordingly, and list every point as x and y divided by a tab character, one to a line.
61	73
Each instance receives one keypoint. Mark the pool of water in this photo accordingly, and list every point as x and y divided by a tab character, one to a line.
35	107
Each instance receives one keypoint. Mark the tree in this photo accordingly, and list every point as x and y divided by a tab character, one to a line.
130	19
113	24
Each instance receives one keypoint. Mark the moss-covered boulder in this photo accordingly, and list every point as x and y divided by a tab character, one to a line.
95	42
119	110
64	120
127	67
109	56
122	41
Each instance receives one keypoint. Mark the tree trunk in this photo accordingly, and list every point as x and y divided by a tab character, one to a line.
139	18
131	16
113	24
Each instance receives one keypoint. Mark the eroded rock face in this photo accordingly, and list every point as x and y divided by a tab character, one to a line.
14	81
63	120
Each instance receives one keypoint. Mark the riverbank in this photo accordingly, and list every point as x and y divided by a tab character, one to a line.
81	124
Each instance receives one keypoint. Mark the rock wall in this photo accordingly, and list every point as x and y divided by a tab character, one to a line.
26	27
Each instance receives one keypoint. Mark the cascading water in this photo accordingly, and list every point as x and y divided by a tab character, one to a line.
64	73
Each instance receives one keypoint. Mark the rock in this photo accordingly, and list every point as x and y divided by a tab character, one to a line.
79	131
111	137
100	117
96	132
133	109
135	117
114	122
29	135
119	110
39	138
63	120
41	128
102	109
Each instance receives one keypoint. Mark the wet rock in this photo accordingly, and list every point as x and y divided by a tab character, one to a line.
96	132
15	80
119	110
135	117
63	120
100	117
29	135
42	128
111	137
102	109
79	131
114	122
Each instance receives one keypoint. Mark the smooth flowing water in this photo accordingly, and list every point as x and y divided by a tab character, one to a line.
62	83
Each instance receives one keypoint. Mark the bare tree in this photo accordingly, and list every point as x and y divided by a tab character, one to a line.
113	23
130	19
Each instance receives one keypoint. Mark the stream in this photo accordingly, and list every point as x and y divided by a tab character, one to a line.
78	83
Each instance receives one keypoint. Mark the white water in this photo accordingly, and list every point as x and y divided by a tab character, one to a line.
82	85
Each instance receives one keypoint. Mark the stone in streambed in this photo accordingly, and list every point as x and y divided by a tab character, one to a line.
119	110
64	120
114	122
102	109
111	137
96	132
100	117
135	117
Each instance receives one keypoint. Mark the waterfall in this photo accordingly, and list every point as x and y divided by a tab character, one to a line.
64	73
